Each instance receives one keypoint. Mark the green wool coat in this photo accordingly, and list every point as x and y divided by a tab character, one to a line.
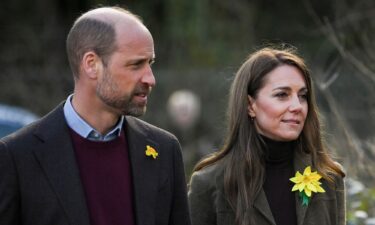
208	205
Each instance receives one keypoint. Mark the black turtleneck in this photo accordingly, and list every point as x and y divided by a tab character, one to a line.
278	188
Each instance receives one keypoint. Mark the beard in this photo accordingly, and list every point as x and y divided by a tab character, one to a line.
109	92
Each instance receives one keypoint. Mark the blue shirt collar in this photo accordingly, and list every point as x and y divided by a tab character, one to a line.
81	127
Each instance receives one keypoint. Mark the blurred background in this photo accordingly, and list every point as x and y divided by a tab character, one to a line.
199	46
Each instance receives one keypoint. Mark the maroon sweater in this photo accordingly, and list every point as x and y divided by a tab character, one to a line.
105	174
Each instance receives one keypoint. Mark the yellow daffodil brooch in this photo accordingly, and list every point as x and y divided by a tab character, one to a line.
150	151
307	183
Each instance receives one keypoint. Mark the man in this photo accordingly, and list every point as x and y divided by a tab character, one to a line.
89	161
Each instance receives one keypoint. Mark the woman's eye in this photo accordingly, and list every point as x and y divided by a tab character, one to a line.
303	96
281	95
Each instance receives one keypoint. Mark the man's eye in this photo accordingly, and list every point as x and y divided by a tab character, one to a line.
136	65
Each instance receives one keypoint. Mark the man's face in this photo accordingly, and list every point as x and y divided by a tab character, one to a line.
127	79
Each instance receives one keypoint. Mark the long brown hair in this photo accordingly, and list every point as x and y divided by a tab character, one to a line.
242	153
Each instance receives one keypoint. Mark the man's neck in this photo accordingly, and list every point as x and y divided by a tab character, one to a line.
95	113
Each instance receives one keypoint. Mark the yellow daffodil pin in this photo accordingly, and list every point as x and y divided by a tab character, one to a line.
150	151
307	183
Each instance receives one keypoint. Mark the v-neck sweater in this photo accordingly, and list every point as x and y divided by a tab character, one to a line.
106	179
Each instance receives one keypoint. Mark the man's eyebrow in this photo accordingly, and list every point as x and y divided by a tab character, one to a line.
141	59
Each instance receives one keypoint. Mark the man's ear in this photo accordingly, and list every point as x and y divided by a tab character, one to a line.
90	64
251	107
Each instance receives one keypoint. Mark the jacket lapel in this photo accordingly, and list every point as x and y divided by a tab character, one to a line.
301	161
261	204
145	171
57	159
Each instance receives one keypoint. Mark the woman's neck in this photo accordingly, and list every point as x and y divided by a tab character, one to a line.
278	152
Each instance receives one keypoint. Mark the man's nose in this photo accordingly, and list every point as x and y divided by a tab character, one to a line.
148	77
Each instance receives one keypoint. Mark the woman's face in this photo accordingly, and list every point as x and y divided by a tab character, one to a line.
280	108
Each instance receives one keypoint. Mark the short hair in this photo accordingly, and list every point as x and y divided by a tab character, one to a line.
92	34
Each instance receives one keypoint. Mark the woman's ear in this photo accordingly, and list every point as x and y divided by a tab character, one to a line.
251	108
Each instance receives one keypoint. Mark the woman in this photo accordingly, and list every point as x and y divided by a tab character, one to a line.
273	132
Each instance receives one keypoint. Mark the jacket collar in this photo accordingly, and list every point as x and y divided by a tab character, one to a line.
261	204
301	161
55	154
145	170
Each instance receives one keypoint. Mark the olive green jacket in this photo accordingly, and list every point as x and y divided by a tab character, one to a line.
208	205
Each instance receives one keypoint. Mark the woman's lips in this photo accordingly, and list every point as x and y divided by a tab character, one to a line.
291	121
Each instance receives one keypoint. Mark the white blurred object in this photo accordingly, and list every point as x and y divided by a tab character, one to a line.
370	221
13	118
184	107
354	186
16	114
360	214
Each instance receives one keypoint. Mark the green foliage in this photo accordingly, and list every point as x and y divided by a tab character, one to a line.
362	202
